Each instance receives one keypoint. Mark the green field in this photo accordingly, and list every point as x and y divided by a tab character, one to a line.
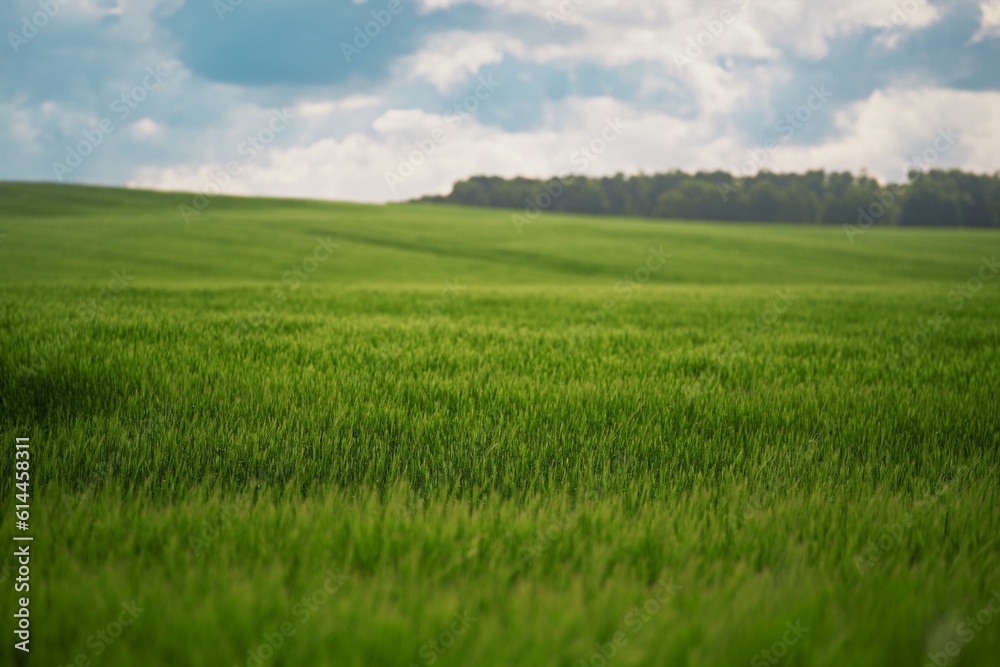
443	442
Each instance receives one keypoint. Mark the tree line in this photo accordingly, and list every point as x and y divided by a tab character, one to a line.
950	198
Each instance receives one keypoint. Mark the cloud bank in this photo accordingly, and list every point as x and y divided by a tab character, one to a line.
385	100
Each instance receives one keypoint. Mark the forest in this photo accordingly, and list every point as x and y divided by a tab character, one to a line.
945	198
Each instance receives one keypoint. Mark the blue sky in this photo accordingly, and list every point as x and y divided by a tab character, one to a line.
384	100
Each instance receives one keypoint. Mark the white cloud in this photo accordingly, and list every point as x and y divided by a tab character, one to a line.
452	57
989	21
617	32
885	132
878	133
355	167
20	126
145	128
317	109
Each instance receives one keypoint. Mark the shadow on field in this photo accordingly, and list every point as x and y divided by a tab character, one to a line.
57	392
504	256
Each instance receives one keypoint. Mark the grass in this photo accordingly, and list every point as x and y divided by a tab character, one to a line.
446	417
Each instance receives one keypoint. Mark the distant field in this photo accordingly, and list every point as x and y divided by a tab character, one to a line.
303	433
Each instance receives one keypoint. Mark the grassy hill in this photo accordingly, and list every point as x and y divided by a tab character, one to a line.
690	434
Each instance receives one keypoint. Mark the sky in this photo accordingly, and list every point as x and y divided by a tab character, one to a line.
388	100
